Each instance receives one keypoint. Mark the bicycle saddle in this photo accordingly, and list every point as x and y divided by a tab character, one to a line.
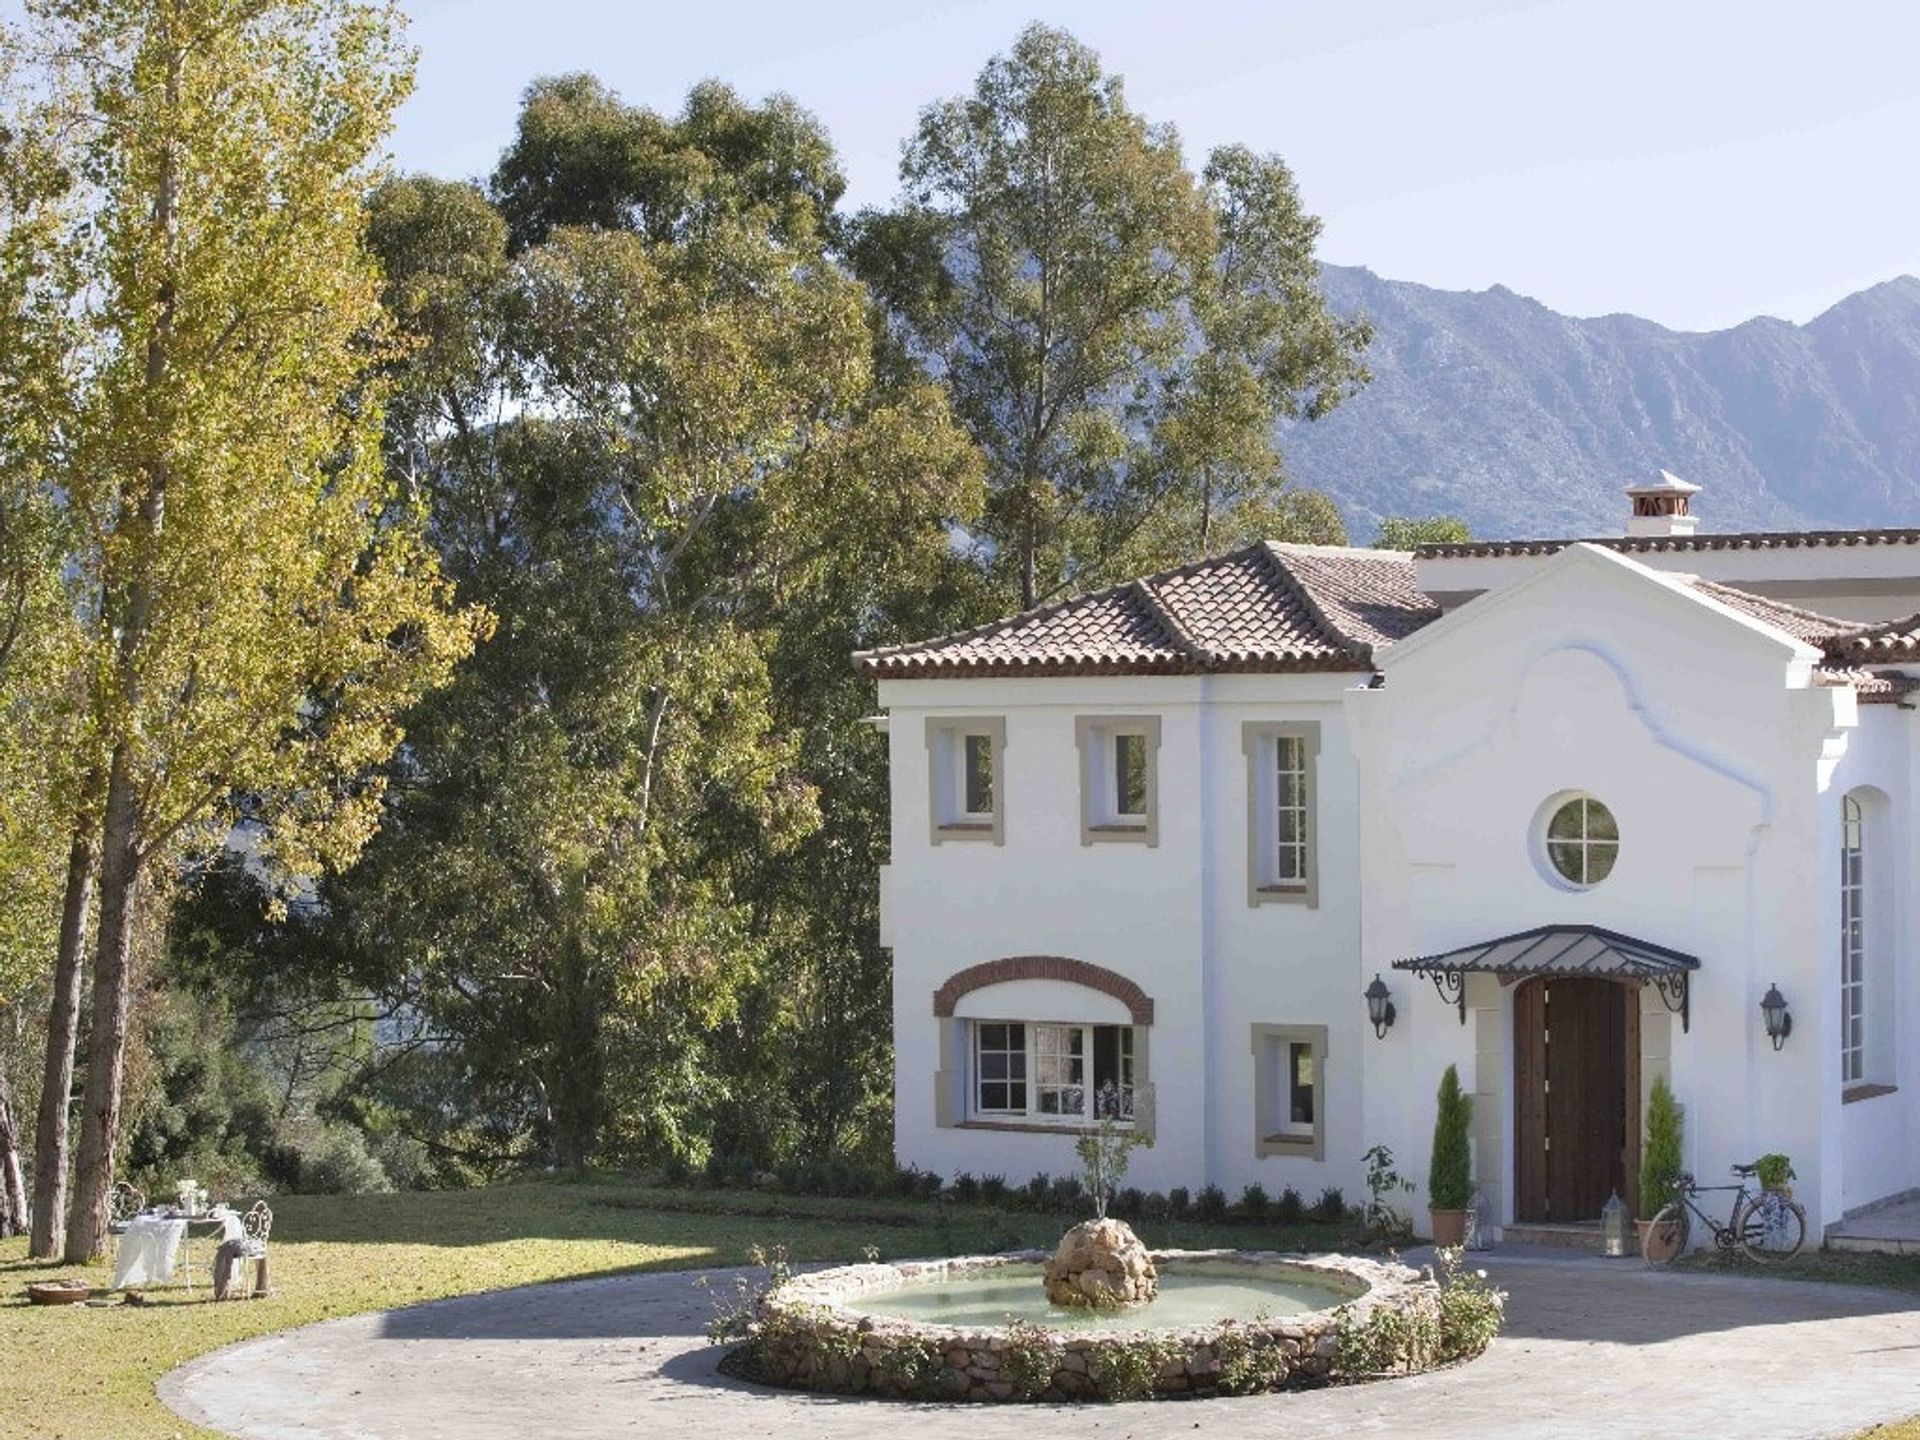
1742	1169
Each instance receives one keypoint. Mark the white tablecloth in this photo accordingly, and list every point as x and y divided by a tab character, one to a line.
147	1251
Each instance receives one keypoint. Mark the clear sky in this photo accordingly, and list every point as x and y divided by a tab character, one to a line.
1694	161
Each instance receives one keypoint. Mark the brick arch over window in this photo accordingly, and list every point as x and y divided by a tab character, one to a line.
1044	967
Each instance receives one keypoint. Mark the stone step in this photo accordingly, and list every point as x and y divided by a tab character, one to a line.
1875	1244
1564	1237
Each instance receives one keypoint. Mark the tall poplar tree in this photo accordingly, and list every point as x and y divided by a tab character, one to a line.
1119	334
262	611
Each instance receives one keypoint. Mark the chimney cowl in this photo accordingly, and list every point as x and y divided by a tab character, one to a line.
1663	508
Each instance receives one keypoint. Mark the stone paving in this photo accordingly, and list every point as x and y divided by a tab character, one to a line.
1594	1349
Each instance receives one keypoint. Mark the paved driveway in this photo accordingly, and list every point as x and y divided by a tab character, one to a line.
1594	1349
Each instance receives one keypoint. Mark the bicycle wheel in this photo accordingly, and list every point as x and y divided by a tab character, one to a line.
1666	1238
1771	1227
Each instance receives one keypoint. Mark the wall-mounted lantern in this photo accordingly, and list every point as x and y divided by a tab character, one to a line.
1773	1007
1379	1007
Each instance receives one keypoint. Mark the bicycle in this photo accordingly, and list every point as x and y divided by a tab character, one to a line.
1764	1227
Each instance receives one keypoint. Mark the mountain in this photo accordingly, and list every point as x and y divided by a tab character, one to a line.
1523	421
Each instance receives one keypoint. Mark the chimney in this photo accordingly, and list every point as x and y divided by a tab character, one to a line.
1664	508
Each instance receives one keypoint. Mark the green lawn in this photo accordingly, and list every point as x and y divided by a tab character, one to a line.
1834	1267
83	1373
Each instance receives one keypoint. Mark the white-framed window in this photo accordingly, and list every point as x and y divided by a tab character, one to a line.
1853	942
1052	1072
1119	778
1282	811
966	777
1289	1083
1582	841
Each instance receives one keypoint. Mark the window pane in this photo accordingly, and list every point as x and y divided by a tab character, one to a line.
1566	823
978	780
1600	858
1600	822
1292	864
1300	1084
1130	774
1569	860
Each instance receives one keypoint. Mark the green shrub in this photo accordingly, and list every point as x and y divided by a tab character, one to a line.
1210	1203
1029	1357
1156	1206
340	1165
993	1189
1127	1369
1246	1365
965	1188
1775	1172
1038	1192
1450	1174
1130	1203
1289	1209
1471	1310
1331	1207
1660	1157
1254	1202
1179	1202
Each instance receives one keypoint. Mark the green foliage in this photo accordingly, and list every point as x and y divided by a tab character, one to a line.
1029	1357
1331	1206
736	1309
1774	1171
1103	1153
1398	532
1385	1224
1471	1309
1660	1156
1450	1172
1247	1364
1127	1368
1119	334
607	881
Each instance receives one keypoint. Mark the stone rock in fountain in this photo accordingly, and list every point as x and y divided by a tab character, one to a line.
1102	1264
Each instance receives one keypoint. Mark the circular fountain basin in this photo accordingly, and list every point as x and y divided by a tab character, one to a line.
1190	1297
981	1327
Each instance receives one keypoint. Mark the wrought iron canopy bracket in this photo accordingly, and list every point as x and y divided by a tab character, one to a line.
1452	988
1677	995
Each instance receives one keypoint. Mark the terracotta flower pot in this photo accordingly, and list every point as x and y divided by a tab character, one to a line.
1449	1226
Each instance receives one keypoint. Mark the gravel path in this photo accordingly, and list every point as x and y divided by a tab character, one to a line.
1594	1349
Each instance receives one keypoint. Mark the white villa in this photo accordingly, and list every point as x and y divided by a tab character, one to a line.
1579	806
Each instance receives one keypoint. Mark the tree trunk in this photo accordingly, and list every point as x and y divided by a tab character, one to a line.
120	834
13	1190
63	1020
107	1038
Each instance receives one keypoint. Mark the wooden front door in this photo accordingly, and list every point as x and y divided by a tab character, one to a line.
1574	1089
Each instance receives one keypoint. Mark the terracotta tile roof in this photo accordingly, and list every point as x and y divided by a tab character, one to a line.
1277	608
1872	687
1847	646
1649	544
1268	607
1806	625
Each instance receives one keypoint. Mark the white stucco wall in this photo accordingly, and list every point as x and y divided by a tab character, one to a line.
1700	729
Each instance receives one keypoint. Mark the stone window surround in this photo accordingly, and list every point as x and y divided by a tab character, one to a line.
1264	1039
950	1109
1092	735
944	733
1257	739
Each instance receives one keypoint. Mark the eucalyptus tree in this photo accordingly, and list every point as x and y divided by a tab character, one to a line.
260	612
655	437
1119	335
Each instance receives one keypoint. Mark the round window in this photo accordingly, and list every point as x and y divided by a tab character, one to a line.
1583	841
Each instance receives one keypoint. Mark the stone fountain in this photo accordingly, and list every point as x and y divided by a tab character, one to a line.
1101	1264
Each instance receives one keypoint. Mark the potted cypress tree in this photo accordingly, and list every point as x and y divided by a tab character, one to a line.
1450	1173
1660	1156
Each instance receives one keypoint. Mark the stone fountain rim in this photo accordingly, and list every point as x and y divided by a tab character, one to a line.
826	1294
